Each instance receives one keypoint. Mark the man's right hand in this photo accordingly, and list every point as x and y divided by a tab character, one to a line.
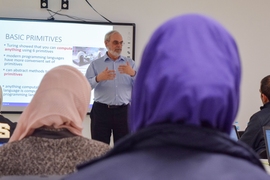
106	75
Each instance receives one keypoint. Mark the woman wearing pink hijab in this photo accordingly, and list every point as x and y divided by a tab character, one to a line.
48	138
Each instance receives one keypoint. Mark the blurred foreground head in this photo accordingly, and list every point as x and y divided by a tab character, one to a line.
61	101
189	74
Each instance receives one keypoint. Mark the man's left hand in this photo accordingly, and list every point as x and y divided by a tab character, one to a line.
126	69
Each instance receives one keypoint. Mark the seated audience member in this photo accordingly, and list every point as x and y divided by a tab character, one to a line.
253	134
48	138
6	126
183	105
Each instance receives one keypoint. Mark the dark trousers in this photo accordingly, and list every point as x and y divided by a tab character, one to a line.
108	120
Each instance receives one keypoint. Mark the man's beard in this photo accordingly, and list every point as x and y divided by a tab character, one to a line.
114	53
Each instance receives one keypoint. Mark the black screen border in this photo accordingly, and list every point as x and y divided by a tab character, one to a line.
133	25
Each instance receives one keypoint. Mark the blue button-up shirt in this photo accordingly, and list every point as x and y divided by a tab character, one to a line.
112	92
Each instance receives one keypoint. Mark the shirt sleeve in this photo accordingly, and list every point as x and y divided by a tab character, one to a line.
133	65
251	136
91	75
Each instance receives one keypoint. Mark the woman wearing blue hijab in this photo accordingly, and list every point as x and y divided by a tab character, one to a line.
185	99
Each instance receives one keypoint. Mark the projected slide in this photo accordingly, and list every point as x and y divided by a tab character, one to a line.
29	49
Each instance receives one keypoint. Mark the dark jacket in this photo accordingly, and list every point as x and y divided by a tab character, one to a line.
168	152
253	135
7	128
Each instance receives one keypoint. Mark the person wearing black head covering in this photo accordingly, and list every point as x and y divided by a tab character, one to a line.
184	102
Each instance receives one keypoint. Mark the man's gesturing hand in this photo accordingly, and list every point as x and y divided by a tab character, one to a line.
106	75
126	69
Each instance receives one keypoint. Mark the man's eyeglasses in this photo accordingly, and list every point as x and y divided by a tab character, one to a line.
117	43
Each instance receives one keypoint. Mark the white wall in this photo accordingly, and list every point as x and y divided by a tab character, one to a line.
247	20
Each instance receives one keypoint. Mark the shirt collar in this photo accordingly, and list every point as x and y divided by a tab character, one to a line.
106	57
265	105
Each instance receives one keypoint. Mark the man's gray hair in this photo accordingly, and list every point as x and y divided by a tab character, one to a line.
108	35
